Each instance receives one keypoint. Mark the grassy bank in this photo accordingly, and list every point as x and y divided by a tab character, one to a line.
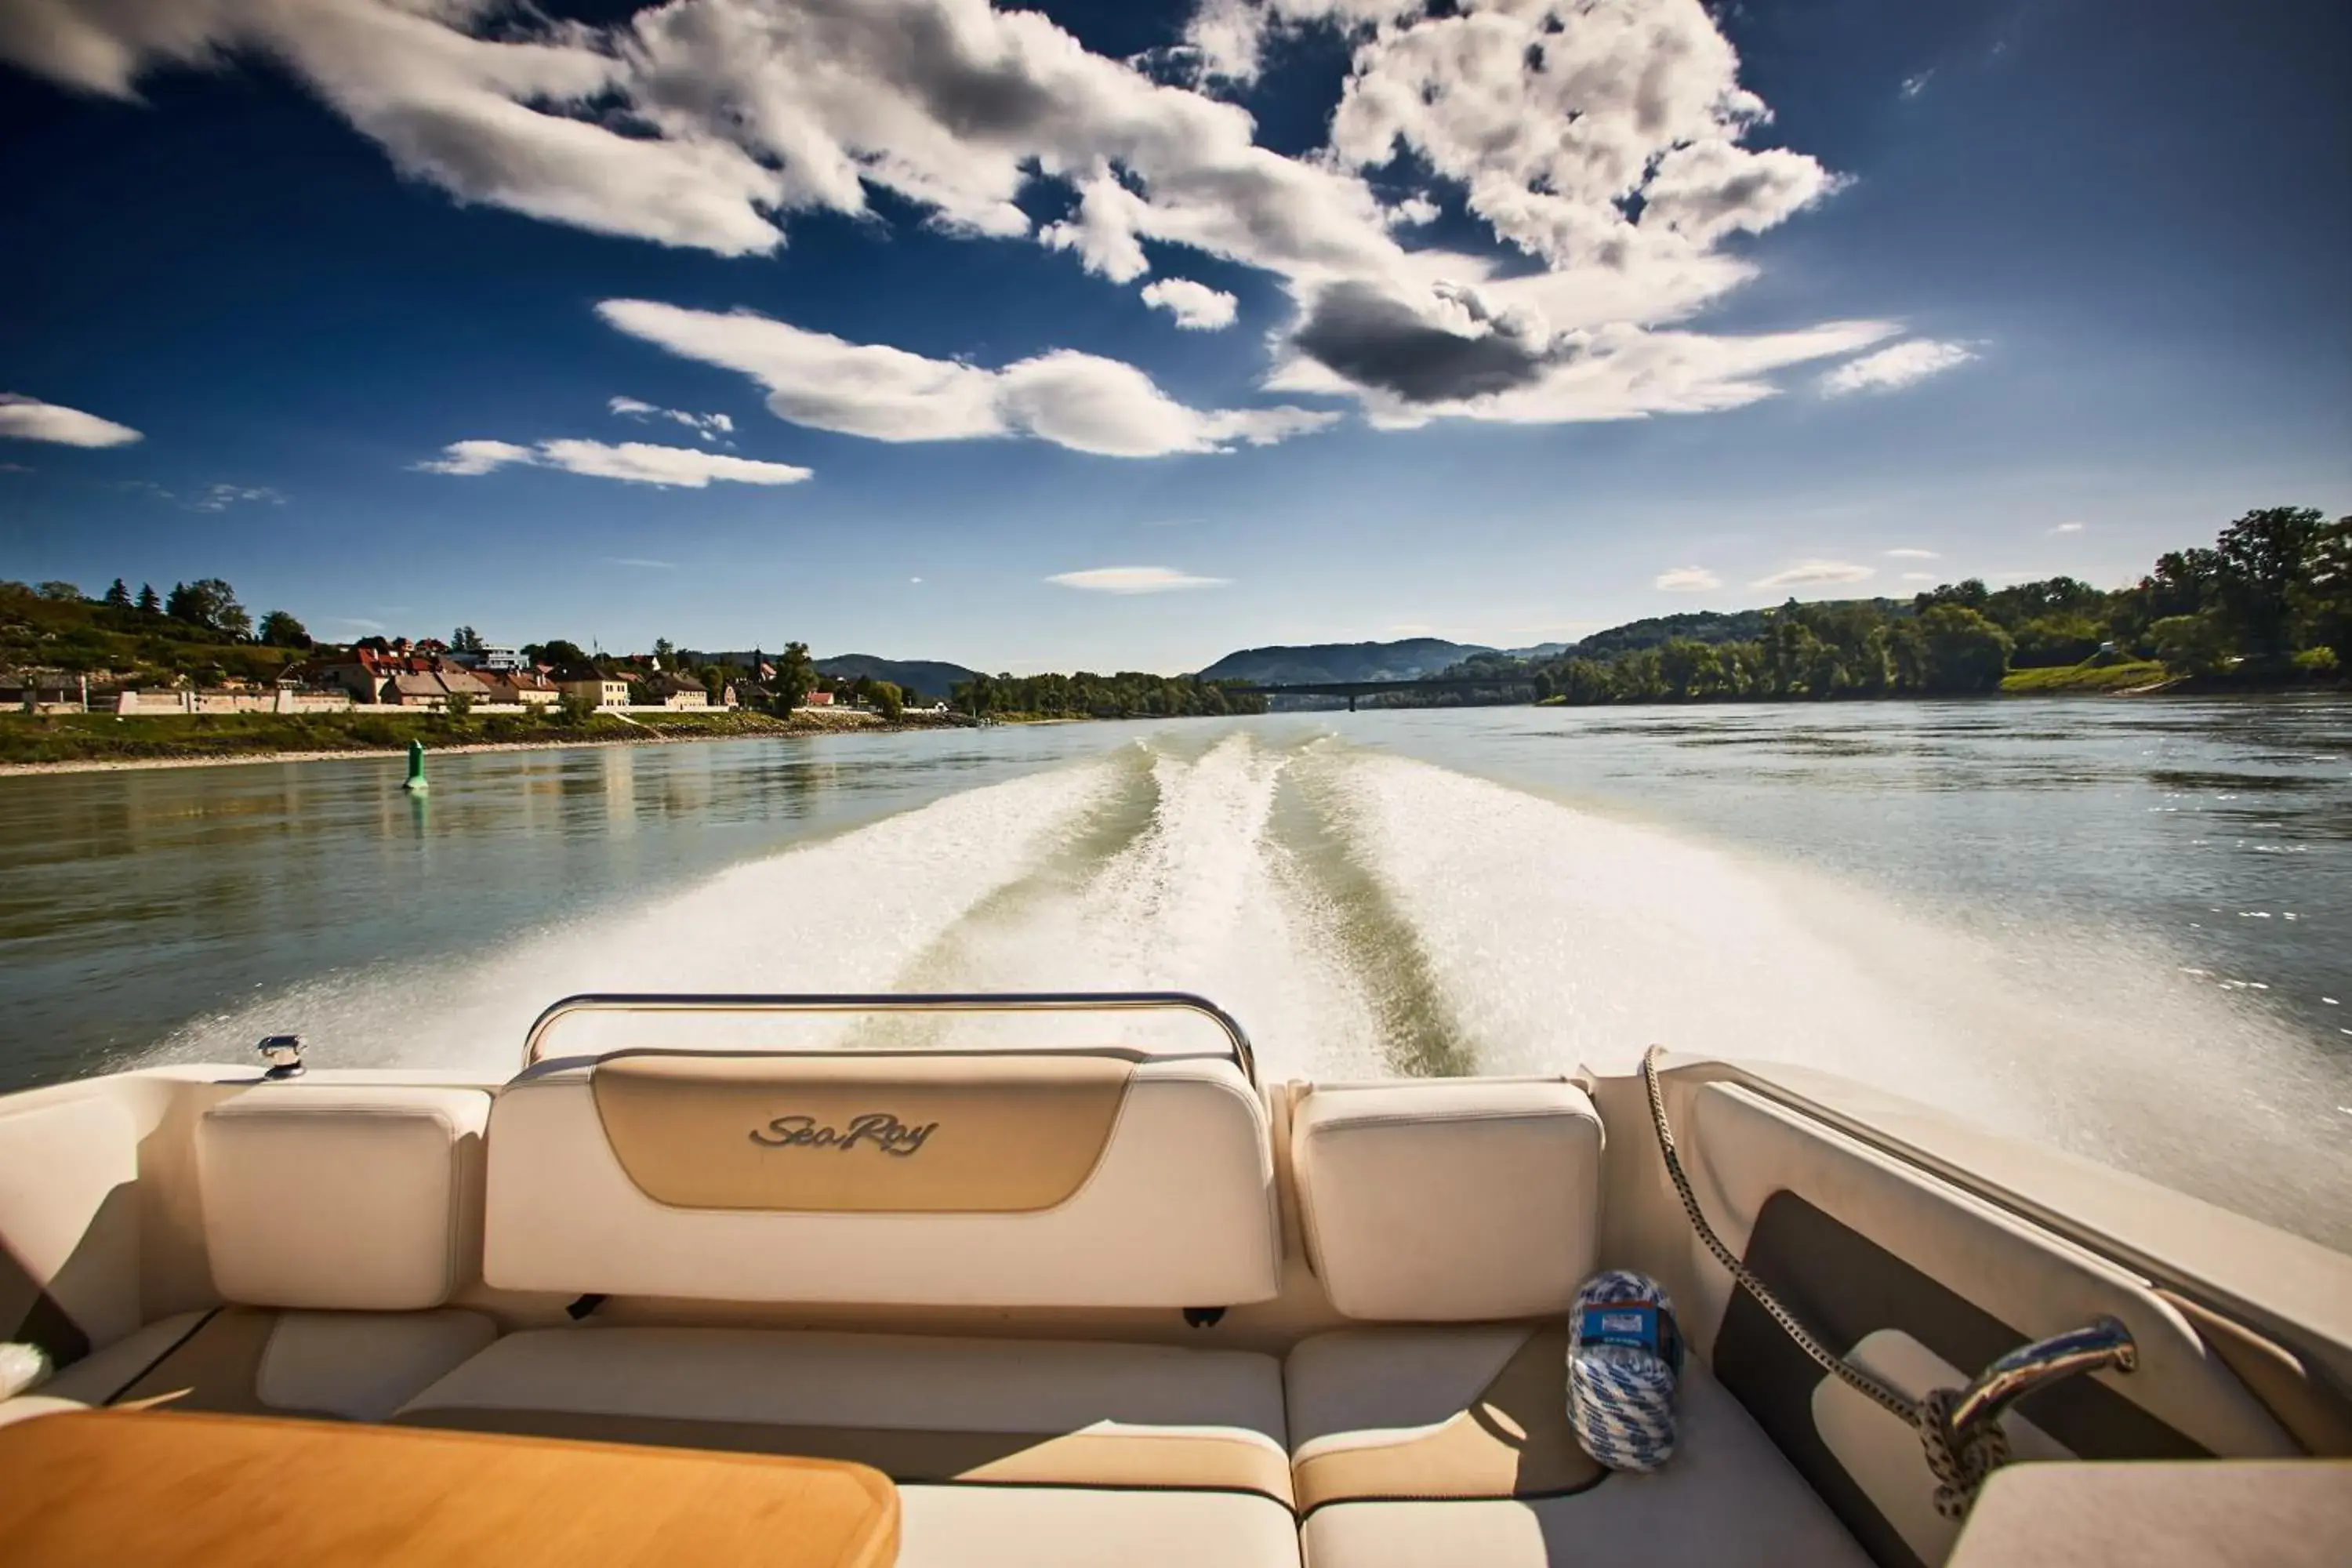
100	738
2095	678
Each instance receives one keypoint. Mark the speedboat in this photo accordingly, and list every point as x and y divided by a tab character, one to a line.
1076	1285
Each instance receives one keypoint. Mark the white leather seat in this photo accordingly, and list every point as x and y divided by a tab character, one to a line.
1457	1202
1496	1477
1007	1450
338	1221
354	1367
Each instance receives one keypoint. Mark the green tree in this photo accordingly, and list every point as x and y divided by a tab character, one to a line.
465	639
2190	645
2324	598
458	704
148	603
574	709
117	596
211	604
795	676
663	650
281	629
555	651
888	700
1965	651
60	593
1687	666
2265	556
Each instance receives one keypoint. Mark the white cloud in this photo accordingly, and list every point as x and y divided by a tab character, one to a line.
1604	139
1196	307
1077	400
640	563
1919	576
1912	85
30	419
220	498
1688	580
638	462
475	457
2069	527
1133	579
1908	553
710	427
1807	573
1898	366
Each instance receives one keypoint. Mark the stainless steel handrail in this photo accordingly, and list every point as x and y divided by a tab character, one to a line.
2101	1343
935	1002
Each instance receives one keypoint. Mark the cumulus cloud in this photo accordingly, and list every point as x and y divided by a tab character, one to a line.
1133	579
1604	140
1196	307
710	427
1909	553
1688	580
1077	400
637	462
1893	368
30	419
1811	574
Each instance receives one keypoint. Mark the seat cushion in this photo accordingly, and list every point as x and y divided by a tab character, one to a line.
1058	1179
355	1366
1454	1202
979	1412
361	1199
1055	1527
1417	1447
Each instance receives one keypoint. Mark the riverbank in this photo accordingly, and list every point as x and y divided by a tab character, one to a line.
85	743
2135	676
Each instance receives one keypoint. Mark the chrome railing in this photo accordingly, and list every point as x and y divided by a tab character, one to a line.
2101	1344
1244	1057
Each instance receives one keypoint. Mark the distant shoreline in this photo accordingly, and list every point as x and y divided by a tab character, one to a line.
454	749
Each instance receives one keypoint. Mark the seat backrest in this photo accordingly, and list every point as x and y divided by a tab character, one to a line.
1448	1201
320	1195
927	1178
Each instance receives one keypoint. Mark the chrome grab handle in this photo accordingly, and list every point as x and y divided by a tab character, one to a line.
1244	1057
2101	1343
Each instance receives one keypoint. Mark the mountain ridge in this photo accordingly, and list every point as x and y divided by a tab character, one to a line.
929	677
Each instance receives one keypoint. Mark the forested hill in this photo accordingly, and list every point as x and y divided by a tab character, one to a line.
1698	626
927	678
1317	662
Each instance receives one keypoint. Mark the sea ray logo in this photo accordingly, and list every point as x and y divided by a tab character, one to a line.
875	1129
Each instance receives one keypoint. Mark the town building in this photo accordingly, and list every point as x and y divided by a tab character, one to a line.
667	690
592	685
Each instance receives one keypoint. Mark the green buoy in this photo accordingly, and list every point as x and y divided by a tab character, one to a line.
416	784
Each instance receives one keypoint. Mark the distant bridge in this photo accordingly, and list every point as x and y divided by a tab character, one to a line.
1351	690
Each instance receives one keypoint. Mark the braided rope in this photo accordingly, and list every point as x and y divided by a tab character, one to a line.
1960	1460
1620	1398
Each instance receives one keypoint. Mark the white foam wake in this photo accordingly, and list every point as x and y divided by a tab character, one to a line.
846	914
1203	900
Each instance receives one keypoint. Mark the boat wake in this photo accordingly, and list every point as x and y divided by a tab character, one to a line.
1364	914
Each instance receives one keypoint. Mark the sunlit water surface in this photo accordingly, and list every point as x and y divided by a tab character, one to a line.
2121	927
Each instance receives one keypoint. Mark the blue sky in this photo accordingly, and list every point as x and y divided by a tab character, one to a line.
1324	319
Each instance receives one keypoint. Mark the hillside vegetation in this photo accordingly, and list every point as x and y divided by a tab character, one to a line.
2269	603
1316	663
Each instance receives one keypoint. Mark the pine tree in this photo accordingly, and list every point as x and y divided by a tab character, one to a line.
117	597
149	603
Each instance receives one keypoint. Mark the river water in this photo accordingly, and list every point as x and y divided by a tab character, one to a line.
2124	927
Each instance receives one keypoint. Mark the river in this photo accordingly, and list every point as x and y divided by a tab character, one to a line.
2123	928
